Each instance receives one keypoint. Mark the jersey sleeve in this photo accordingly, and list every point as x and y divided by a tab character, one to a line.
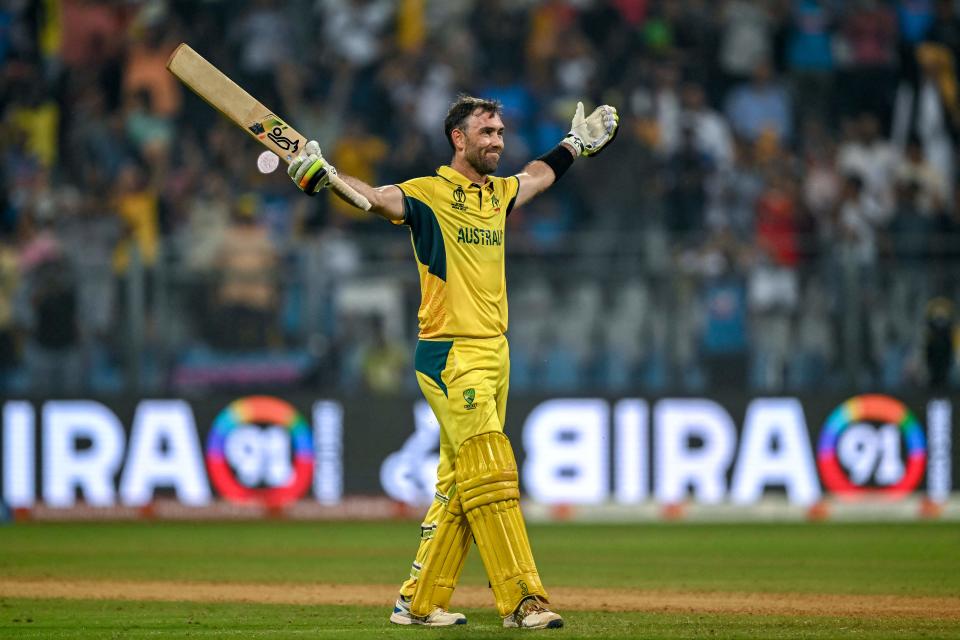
419	189
511	187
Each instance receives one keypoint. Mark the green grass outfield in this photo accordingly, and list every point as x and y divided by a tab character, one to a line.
856	570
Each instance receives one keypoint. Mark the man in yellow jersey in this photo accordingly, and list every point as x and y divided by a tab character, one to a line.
457	220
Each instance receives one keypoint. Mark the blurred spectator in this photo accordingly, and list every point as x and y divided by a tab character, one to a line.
383	361
686	173
137	205
263	35
91	37
774	284
711	134
725	329
760	106
149	133
90	231
809	57
778	229
911	234
859	219
914	18
941	334
9	282
867	57
945	28
500	29
870	157
735	192
930	184
666	107
37	115
245	316
821	186
746	38
47	311
97	138
146	70
357	153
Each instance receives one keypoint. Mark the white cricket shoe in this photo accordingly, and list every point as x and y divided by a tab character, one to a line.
531	614
437	618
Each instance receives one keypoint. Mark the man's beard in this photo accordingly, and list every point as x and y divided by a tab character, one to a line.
483	163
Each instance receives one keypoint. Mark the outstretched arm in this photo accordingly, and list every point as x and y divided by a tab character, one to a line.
587	137
537	176
312	173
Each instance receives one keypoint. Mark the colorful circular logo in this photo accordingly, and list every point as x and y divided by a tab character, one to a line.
260	410
877	409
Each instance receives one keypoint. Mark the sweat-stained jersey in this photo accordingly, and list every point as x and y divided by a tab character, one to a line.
457	229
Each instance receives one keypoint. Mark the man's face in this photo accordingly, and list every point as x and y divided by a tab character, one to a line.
483	141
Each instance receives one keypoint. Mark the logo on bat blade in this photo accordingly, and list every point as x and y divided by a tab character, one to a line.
284	143
257	128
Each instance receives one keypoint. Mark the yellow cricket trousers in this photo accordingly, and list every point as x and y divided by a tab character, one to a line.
465	381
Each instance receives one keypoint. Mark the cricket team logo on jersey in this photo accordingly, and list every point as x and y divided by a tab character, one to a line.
470	395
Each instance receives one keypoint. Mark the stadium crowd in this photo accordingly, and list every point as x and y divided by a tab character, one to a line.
779	211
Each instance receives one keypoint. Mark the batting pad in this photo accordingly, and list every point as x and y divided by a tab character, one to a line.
486	473
444	562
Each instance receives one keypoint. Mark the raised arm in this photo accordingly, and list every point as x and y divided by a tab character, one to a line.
587	137
537	176
311	173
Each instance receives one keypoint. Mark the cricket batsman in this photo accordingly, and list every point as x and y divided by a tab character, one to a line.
457	220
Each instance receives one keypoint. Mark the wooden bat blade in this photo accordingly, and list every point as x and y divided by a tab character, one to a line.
230	99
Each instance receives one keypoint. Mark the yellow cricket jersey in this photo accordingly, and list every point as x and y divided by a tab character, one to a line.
457	230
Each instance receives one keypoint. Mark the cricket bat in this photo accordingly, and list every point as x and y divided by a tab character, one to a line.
229	98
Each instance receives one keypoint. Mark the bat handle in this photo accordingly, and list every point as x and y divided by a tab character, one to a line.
349	193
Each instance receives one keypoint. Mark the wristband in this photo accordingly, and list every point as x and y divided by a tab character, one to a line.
559	159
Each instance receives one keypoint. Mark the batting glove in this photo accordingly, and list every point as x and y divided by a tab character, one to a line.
310	171
589	135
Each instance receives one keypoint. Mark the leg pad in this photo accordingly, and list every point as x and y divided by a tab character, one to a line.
487	481
444	562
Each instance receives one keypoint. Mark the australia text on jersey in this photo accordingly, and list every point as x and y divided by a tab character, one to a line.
472	235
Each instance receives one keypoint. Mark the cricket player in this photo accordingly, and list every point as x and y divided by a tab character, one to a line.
457	220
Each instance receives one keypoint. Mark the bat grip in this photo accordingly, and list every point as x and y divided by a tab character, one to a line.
348	192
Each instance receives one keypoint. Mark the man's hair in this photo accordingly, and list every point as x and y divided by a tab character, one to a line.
463	108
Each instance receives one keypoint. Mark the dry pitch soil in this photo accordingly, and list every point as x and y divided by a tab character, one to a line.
564	598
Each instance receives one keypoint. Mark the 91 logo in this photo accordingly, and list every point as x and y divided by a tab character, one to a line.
260	451
872	445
